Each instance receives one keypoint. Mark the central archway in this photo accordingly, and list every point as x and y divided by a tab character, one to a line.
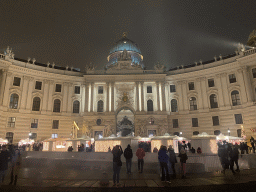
125	122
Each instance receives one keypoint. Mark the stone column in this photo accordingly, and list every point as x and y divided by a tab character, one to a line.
107	97
204	93
248	85
87	86
219	87
137	96
92	99
225	89
157	97
167	96
3	79
30	89
142	96
45	94
65	96
51	89
242	86
179	92
70	93
112	96
200	96
7	89
24	92
185	96
163	97
82	98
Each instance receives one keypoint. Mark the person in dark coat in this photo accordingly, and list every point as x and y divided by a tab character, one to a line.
5	157
128	156
246	147
224	156
193	150
172	161
183	158
163	159
253	146
234	155
117	163
199	150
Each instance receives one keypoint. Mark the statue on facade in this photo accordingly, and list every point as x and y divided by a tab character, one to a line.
159	66
108	131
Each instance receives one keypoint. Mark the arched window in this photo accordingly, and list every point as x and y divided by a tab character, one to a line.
174	106
150	105
14	101
217	132
213	101
76	105
235	98
193	105
36	104
195	132
56	107
100	106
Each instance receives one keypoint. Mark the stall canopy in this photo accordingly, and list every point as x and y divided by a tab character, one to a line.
26	141
3	141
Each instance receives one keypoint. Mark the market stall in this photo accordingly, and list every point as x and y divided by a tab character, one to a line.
230	139
206	142
3	141
57	144
75	143
167	140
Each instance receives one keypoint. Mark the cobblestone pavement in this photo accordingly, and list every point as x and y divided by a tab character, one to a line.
61	178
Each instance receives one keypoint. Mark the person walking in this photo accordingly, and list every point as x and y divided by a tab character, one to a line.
183	158
163	159
140	153
172	161
117	163
16	164
5	157
234	158
128	156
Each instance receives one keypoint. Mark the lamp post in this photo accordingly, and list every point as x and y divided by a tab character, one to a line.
228	132
180	133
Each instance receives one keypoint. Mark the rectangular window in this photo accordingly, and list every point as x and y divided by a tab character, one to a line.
151	133
232	78
77	89
149	89
11	121
34	123
215	120
175	123
16	81
239	118
54	135
254	72
55	124
33	136
172	89
38	85
194	122
191	86
211	82
58	88
100	90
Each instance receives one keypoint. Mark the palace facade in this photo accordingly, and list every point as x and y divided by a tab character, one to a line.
43	100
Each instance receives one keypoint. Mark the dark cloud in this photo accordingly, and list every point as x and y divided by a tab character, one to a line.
76	33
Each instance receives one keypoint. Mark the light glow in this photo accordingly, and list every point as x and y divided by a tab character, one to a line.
155	144
160	94
102	146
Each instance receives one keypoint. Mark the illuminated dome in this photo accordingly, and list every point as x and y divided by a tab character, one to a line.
122	45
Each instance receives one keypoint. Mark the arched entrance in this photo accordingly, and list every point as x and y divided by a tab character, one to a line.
125	122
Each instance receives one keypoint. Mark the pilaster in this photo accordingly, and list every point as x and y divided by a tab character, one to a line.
219	87
29	95
24	92
7	88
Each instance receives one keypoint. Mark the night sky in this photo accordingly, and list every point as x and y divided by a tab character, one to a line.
172	32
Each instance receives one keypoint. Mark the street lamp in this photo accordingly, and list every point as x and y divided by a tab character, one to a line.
228	132
180	133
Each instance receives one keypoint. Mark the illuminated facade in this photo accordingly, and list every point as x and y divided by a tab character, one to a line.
43	100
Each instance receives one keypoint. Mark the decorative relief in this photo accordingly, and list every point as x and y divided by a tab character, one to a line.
26	78
125	95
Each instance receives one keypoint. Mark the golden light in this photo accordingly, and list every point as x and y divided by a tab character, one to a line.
170	142
155	144
102	146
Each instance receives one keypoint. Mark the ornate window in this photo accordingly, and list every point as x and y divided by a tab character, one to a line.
14	101
210	82
193	105
149	89
100	90
254	72
235	98
58	88
172	88
100	106
191	86
77	89
215	120
213	101
232	78
38	85
150	105
9	137
174	106
16	81
36	104
76	105
11	122
56	106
